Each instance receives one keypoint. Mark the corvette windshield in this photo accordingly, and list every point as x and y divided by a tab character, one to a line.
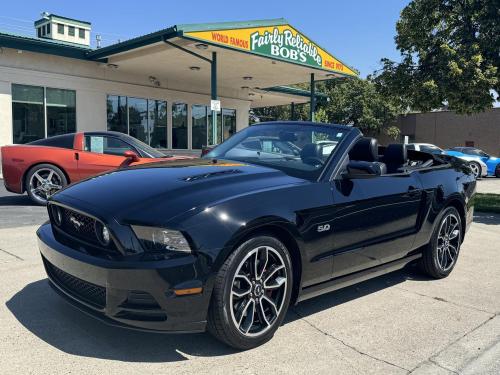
300	150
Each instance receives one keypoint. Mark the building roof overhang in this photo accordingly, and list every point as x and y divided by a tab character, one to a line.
250	64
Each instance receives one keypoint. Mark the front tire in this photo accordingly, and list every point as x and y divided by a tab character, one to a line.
441	253
476	169
251	294
43	181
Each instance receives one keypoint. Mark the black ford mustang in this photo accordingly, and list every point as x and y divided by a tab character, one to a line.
227	242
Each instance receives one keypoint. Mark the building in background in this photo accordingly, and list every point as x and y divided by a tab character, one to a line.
448	129
164	88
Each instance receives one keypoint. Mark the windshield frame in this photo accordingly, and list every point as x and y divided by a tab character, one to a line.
317	175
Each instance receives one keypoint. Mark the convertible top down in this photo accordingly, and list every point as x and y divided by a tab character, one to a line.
278	213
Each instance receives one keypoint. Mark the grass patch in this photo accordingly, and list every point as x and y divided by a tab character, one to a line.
487	202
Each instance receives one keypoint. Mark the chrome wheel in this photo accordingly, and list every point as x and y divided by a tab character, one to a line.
44	183
476	169
258	291
448	242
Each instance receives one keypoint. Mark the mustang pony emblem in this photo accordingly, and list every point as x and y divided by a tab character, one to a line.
77	224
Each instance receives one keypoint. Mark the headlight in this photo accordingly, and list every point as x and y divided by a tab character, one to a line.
161	239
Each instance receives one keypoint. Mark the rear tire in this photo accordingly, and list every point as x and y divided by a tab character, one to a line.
43	181
497	171
251	294
441	253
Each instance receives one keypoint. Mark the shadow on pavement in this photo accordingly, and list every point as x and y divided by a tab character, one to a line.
64	327
486	218
16	200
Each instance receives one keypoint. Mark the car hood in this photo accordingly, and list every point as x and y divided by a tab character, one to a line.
158	192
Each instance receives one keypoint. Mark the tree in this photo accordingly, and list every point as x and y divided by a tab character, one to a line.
351	101
357	102
449	56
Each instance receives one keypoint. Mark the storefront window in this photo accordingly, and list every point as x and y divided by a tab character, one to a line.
61	111
117	113
211	140
179	126
28	113
229	120
199	123
138	119
157	110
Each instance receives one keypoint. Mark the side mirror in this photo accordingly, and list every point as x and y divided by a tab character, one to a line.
131	156
363	169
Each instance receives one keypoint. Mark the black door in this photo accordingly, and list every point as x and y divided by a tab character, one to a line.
375	220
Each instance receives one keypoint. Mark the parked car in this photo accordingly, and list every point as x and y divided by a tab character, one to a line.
45	166
228	243
479	168
492	162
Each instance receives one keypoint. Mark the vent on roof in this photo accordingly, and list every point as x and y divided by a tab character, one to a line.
64	29
211	174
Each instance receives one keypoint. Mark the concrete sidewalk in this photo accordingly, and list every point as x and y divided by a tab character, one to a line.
397	324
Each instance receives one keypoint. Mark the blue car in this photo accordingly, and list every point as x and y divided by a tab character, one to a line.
492	162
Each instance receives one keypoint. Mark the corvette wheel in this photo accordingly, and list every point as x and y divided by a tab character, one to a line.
441	254
476	169
251	293
43	181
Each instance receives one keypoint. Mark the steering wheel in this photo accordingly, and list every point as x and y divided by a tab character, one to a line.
314	161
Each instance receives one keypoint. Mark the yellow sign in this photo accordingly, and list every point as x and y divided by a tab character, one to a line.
281	41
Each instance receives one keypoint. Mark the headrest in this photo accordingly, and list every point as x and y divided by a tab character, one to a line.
311	150
396	153
366	149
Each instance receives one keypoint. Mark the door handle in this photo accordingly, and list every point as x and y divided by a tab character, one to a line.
77	156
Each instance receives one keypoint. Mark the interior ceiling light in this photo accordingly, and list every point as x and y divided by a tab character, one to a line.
245	87
201	46
251	94
247	78
195	68
112	66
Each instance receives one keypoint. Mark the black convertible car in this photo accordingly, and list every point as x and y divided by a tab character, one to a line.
227	243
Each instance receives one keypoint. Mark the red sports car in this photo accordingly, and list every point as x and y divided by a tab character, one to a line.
43	167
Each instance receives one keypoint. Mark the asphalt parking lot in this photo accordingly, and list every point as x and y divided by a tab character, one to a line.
397	324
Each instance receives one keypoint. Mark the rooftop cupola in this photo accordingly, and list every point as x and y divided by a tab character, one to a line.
52	26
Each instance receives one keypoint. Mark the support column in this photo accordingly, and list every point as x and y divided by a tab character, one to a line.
292	111
213	91
313	99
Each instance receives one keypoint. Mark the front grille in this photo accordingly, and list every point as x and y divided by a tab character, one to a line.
81	289
80	226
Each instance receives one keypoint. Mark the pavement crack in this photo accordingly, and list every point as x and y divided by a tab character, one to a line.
301	317
443	367
13	255
432	357
440	299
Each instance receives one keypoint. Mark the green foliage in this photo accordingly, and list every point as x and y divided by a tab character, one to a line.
357	102
449	56
352	101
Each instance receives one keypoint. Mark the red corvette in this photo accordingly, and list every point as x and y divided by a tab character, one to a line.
43	167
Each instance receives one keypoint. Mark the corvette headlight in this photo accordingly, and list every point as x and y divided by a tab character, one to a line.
160	239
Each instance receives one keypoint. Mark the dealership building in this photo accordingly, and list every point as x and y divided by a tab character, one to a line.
179	88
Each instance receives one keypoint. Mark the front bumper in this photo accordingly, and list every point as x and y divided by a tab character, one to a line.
138	295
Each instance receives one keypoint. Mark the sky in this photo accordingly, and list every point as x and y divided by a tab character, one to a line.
358	32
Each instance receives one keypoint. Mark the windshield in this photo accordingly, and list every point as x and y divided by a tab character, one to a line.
148	150
300	150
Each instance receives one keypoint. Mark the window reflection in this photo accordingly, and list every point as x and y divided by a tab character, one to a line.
199	123
179	126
